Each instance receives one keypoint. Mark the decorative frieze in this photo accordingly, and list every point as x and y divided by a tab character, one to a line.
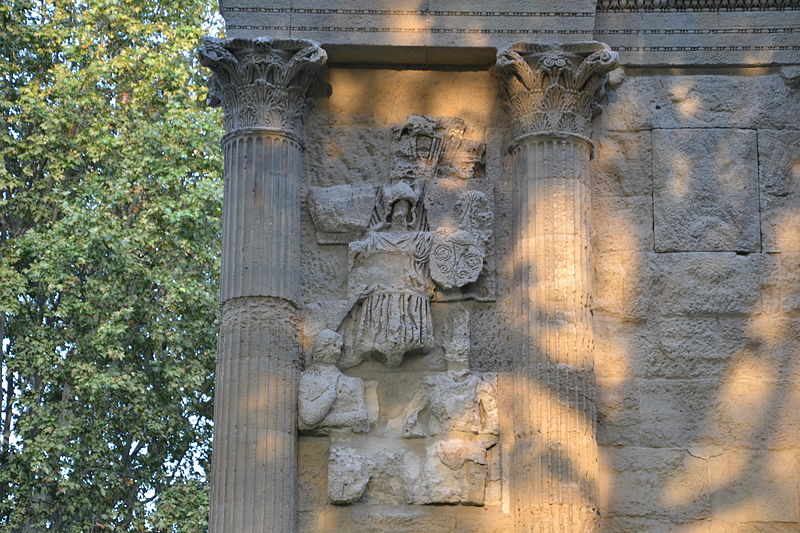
696	5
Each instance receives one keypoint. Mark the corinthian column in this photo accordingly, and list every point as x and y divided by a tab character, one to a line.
550	95
262	86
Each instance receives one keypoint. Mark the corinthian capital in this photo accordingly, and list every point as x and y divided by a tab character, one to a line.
262	83
553	88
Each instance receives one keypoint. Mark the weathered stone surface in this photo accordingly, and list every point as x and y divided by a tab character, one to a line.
384	98
674	412
622	224
327	399
453	402
654	483
312	472
754	486
779	179
374	470
648	100
621	347
713	33
622	164
345	153
618	417
685	347
706	283
705	186
436	25
378	519
348	475
491	344
623	283
455	471
627	524
341	213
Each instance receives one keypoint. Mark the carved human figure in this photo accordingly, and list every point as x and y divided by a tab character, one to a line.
391	282
327	399
389	278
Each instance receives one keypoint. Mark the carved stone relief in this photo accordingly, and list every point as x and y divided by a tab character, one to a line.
327	399
423	235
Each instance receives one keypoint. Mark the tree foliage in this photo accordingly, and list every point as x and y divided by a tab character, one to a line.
110	198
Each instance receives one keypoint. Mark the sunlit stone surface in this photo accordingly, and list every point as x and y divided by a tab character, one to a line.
527	266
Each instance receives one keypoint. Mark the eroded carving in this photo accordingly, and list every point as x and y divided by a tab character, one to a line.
261	83
426	147
327	399
426	234
453	402
341	213
389	276
392	274
348	475
455	471
457	254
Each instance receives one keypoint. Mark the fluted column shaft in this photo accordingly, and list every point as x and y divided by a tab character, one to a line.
555	467
262	87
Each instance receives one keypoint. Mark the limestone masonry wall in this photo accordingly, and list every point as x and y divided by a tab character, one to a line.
485	330
696	238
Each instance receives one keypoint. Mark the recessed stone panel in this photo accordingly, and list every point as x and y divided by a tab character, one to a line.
705	190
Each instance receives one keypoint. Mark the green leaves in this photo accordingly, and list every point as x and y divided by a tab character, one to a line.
110	198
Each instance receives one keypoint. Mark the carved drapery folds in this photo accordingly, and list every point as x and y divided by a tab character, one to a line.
551	94
553	88
262	83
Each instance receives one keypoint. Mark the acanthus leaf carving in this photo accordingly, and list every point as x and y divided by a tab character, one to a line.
553	88
262	83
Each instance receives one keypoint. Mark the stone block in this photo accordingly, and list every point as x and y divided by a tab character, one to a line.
341	212
377	519
312	472
779	179
705	187
653	484
621	347
491	342
345	153
627	524
622	164
476	520
618	418
706	283
385	97
648	100
754	486
685	348
663	36
622	223
780	283
674	412
622	284
326	268
752	527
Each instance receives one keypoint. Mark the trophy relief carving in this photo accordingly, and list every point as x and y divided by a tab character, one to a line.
421	238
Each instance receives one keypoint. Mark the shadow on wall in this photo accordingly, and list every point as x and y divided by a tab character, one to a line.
697	348
697	316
